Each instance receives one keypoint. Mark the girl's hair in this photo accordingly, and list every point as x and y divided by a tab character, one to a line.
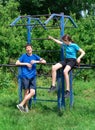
66	37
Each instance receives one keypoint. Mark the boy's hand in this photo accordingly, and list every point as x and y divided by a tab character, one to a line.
33	62
29	65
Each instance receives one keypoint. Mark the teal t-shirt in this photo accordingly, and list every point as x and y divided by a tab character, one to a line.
71	50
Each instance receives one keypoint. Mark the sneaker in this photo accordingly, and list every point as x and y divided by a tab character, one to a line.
26	109
67	94
21	108
52	89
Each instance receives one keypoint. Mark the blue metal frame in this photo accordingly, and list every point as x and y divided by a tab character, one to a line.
29	26
62	58
71	89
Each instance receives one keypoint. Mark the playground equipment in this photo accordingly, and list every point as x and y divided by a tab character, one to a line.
31	22
82	66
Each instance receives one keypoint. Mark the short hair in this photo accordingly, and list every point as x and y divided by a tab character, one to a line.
28	45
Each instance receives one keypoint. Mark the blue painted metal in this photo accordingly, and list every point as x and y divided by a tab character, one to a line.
71	89
19	84
29	30
39	21
62	25
59	89
51	17
15	21
60	100
72	21
62	58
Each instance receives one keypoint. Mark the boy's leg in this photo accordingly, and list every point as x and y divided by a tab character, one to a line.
27	97
23	103
26	83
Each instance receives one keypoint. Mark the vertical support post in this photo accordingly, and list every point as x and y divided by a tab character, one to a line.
59	89
29	30
29	41
62	58
62	80
71	89
62	25
19	84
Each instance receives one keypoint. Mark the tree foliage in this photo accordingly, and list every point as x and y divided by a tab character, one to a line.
13	39
10	39
36	7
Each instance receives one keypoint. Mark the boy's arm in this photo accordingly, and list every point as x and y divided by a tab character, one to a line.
42	61
23	64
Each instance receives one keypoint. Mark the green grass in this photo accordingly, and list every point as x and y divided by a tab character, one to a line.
45	115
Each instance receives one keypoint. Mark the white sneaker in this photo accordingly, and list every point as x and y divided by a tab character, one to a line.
21	108
26	109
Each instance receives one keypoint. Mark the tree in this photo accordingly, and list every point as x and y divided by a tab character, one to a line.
10	39
35	7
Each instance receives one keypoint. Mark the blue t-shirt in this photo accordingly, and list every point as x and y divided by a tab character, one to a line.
25	71
71	50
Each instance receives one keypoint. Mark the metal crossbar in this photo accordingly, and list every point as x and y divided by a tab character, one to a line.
82	66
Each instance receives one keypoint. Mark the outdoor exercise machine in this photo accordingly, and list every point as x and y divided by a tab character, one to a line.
32	22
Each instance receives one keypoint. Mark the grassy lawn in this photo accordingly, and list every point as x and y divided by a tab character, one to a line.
45	115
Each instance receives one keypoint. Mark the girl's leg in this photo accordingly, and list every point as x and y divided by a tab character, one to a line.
54	73
66	76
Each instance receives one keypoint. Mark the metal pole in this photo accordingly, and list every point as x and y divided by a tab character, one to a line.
62	58
29	30
71	90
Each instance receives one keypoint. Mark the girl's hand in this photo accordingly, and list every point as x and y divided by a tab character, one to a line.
78	61
49	37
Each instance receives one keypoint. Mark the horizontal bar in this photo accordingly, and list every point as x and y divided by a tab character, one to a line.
38	25
47	51
8	65
42	88
83	66
42	39
14	65
45	100
40	15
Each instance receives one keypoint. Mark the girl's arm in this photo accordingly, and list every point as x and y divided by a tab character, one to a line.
55	40
81	55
